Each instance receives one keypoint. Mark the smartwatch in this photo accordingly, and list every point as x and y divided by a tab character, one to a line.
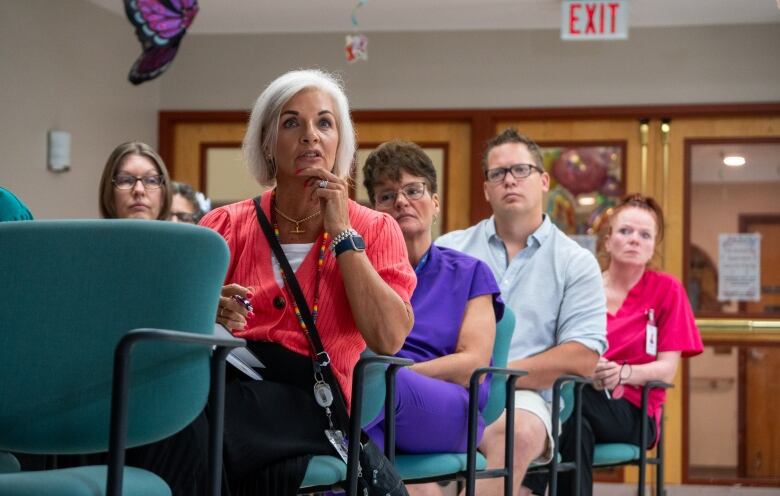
347	240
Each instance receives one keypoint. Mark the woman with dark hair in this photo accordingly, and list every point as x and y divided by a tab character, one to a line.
456	306
135	184
187	205
650	325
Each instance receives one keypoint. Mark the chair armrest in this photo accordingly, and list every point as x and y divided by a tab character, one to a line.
137	335
358	379
120	386
557	390
649	386
509	405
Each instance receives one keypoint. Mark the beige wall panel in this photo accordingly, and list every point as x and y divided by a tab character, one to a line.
187	142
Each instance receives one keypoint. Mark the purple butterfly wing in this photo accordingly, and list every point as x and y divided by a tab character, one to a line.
152	62
160	20
159	25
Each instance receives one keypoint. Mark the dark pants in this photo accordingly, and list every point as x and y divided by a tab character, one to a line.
603	421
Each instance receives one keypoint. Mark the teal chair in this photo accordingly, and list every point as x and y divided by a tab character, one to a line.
107	343
617	454
472	465
566	401
373	381
325	472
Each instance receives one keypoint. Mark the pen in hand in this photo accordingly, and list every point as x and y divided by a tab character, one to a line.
244	303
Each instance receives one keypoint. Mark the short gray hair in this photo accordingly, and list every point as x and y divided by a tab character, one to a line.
264	122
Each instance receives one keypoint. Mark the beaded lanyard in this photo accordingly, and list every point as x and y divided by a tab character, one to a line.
320	264
324	393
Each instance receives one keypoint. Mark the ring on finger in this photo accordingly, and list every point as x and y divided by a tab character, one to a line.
323	183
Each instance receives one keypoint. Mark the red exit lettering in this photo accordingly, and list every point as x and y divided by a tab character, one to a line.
593	18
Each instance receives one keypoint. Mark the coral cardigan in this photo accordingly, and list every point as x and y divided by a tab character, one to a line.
250	266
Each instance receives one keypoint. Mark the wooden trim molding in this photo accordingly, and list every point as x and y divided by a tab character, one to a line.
482	120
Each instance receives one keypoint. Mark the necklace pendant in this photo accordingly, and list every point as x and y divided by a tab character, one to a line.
297	229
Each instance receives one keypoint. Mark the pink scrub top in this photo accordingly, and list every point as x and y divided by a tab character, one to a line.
627	330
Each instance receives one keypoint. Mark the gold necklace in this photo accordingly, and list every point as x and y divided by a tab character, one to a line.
298	222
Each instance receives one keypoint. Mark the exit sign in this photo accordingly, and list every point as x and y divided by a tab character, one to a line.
594	20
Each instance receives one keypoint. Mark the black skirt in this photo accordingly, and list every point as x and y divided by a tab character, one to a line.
273	426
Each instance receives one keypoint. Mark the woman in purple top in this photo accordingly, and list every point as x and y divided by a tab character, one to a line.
456	305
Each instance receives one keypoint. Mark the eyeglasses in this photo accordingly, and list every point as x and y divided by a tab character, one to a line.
185	217
128	182
519	171
412	191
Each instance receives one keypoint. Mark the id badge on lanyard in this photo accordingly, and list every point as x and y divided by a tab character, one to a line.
651	334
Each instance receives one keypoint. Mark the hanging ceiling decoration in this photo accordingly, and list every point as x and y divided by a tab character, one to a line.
160	26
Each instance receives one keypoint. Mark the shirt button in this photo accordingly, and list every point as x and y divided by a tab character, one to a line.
279	302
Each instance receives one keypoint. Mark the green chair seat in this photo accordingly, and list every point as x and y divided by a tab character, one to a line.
614	453
423	466
324	470
81	481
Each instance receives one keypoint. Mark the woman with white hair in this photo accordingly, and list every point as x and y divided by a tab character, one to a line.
350	262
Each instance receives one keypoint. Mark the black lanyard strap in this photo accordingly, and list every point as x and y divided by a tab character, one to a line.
321	359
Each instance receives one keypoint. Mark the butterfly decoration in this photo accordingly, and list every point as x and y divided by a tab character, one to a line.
160	26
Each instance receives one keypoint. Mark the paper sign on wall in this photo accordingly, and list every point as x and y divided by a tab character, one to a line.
739	267
594	20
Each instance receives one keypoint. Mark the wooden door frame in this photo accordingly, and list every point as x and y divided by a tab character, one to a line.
689	143
482	123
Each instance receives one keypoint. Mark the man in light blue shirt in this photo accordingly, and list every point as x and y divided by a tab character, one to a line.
553	286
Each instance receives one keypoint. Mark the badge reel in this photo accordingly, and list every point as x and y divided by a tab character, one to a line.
323	395
651	335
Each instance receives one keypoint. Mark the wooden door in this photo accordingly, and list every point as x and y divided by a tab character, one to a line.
757	437
760	453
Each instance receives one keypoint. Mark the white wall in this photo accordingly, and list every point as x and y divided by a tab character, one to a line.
490	69
64	65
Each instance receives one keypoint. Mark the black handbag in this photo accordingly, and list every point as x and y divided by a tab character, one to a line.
376	475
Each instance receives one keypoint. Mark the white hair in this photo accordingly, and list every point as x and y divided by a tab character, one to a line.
263	126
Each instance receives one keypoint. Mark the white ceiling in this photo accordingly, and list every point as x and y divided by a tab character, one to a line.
762	163
325	16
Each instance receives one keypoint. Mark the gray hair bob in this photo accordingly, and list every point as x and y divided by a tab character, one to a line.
263	126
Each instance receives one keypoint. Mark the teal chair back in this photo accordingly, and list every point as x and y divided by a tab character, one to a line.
69	290
505	328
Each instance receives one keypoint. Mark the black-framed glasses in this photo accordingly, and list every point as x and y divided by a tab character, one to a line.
412	191
185	217
519	171
124	181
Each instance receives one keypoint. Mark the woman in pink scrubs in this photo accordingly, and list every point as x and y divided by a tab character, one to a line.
650	325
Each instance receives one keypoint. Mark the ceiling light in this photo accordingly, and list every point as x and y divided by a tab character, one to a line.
586	201
734	160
